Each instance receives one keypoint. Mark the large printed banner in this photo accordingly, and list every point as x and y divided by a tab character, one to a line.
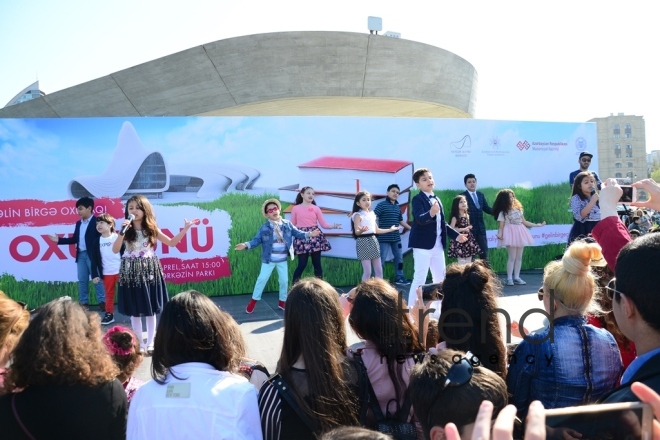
220	169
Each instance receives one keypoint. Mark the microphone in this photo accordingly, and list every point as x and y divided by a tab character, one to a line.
593	190
131	217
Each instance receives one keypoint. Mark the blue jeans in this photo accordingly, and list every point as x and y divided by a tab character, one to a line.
396	252
264	275
84	275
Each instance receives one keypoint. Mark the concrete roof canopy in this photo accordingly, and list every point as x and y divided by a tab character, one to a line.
277	74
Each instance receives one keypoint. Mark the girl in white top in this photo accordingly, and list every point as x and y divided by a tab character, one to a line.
365	227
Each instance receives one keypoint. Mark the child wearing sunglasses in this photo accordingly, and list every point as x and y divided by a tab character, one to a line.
276	237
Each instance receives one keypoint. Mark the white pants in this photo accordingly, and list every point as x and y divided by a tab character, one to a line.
426	259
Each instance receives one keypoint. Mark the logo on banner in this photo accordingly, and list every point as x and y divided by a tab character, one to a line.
580	144
465	141
495	143
523	145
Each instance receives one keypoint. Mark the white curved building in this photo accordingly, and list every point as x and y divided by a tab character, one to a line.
146	172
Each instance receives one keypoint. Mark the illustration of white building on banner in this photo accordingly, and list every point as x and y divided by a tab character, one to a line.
146	172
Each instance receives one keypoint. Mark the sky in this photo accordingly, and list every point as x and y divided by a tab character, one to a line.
566	61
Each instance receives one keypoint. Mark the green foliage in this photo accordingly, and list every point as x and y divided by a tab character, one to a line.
548	202
655	174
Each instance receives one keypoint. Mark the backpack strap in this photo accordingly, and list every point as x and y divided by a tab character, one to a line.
372	399
285	393
18	419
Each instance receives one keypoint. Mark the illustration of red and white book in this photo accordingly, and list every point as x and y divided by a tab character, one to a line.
349	175
337	202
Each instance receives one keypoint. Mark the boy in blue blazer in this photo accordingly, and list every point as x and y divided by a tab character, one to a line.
88	253
428	235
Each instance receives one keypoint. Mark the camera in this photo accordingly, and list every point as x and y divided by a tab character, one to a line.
633	195
432	292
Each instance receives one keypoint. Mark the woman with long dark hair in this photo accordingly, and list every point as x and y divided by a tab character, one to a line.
195	393
312	392
391	341
473	289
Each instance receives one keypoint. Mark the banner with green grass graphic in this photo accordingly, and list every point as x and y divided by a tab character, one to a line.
220	170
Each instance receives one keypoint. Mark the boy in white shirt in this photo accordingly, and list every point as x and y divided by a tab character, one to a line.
110	263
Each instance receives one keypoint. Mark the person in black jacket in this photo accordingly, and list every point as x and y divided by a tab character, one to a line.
477	205
62	381
88	252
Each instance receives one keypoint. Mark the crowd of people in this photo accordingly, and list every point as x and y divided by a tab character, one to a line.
411	377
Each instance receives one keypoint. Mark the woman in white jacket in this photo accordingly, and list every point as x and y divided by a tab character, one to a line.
194	393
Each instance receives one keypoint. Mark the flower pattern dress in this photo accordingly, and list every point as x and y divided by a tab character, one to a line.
142	290
467	249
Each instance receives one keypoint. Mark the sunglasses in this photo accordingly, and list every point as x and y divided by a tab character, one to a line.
540	293
585	160
459	374
611	289
272	210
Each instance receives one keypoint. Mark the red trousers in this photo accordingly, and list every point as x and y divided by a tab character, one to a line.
109	282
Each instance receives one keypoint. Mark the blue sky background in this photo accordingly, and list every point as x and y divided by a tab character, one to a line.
559	60
38	157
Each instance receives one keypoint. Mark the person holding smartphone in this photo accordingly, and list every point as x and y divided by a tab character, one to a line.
584	205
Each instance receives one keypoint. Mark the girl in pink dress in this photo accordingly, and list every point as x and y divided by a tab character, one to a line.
512	233
306	216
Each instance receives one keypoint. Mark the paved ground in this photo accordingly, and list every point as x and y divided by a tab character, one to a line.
263	329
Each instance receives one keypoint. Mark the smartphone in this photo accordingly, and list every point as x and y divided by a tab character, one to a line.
605	421
432	292
632	195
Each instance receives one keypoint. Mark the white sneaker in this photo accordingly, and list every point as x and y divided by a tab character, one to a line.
509	282
519	281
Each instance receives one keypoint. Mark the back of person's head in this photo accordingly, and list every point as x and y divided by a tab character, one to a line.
193	329
571	279
85	202
354	433
432	333
14	319
638	277
124	348
377	317
314	331
436	404
470	294
107	218
61	346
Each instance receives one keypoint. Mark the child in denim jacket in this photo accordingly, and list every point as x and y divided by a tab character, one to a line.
276	237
